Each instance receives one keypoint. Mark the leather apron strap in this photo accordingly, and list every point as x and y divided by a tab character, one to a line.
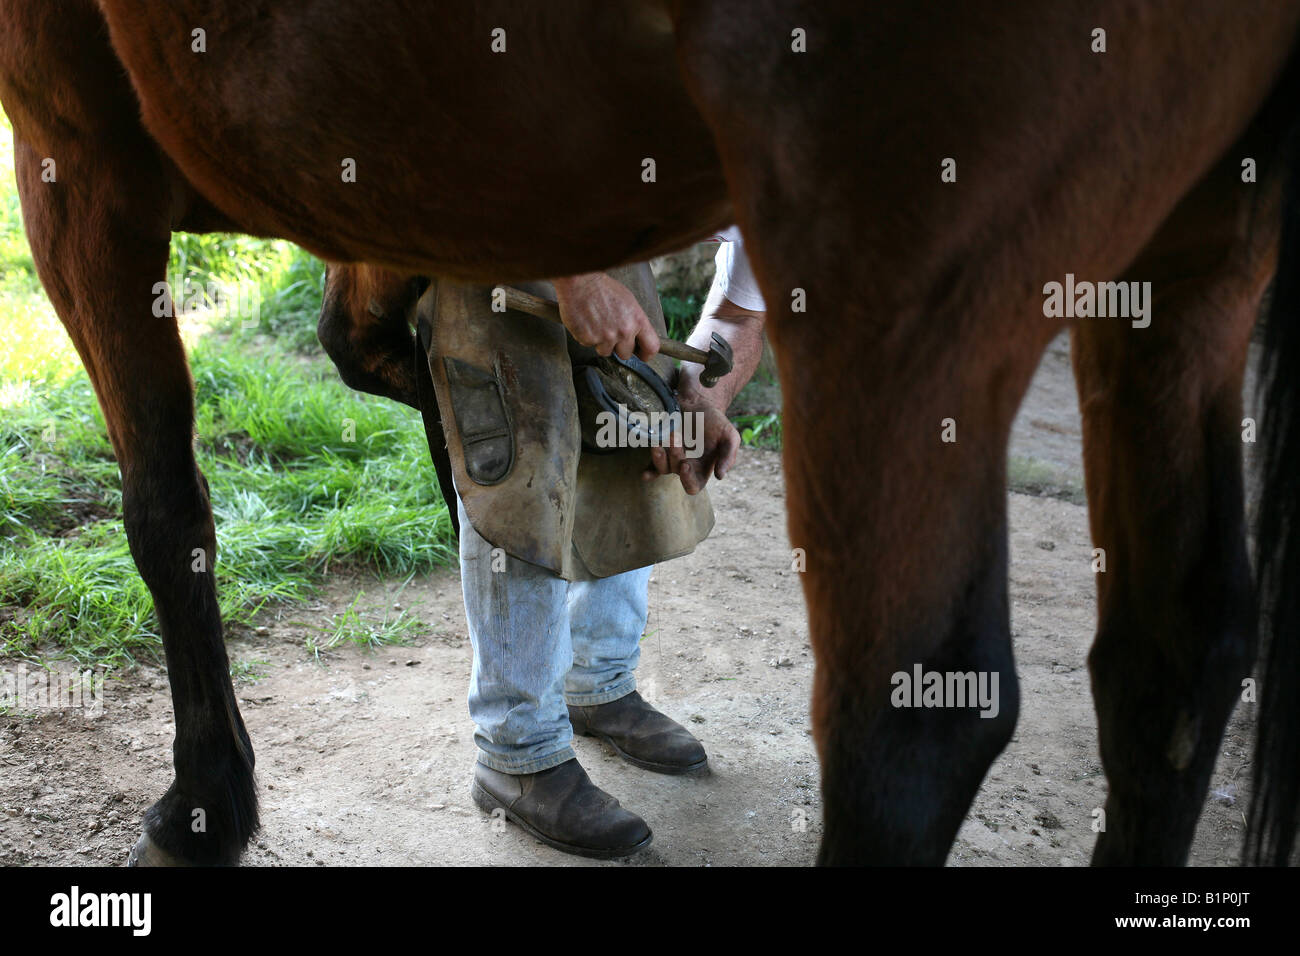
433	431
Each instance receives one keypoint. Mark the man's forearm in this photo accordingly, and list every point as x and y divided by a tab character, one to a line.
743	331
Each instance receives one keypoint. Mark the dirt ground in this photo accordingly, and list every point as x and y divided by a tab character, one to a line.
365	757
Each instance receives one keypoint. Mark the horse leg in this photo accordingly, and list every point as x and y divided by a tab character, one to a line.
904	536
1162	425
364	328
100	269
904	354
99	234
897	414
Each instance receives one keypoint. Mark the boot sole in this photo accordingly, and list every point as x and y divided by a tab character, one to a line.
487	802
668	768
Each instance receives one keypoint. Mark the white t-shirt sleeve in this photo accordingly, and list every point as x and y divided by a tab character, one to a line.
733	276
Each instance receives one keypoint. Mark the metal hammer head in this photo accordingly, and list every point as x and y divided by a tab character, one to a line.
718	363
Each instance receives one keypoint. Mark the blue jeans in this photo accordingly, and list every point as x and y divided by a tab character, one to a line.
541	642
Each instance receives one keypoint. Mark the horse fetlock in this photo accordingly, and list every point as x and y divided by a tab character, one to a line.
205	826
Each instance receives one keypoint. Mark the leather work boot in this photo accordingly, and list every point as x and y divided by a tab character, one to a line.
562	807
641	735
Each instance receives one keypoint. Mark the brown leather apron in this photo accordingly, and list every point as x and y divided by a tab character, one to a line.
504	386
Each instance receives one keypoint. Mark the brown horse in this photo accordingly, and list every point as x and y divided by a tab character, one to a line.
502	141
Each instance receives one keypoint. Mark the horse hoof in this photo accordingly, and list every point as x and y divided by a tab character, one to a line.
147	853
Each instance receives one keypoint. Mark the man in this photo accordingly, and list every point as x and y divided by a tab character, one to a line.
555	648
554	657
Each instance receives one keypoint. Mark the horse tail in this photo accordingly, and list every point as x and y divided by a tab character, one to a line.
1275	801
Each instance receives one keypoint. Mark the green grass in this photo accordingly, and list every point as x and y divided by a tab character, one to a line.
291	496
304	474
363	630
1031	476
248	671
287	282
760	431
681	313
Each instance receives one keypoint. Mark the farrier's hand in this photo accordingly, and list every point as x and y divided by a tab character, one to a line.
712	434
602	313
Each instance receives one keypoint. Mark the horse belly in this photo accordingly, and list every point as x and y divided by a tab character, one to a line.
482	140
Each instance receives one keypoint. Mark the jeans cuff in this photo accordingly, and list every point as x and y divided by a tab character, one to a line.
531	765
621	689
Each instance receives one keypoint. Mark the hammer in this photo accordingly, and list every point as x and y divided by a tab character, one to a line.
716	361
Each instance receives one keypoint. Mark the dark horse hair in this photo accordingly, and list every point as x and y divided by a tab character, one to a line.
1276	796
